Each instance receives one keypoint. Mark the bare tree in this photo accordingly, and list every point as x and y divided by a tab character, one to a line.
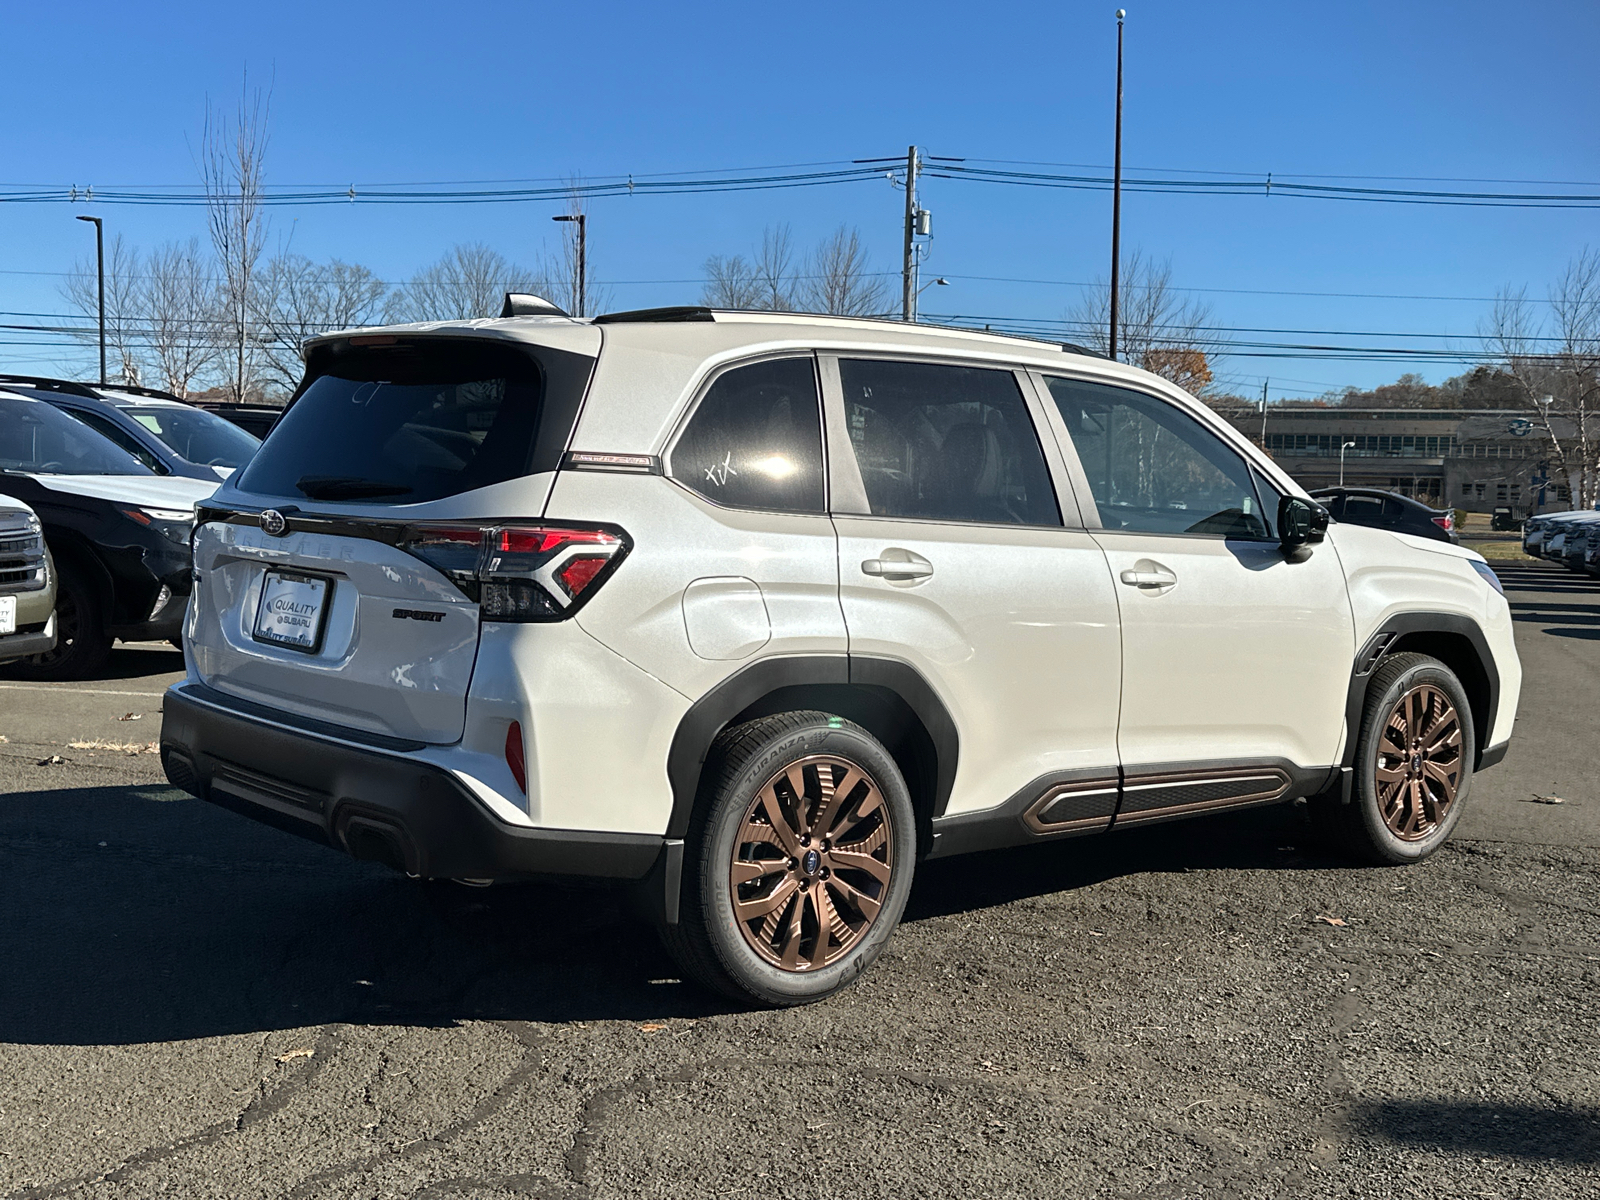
82	291
766	281
232	170
471	280
1555	362
730	283
774	270
296	298
177	302
838	279
1159	328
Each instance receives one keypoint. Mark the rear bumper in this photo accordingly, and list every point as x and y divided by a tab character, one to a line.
376	803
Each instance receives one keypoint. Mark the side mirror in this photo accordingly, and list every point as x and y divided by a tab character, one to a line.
1300	523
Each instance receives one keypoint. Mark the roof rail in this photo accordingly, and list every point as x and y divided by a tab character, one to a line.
682	312
152	393
65	386
1074	348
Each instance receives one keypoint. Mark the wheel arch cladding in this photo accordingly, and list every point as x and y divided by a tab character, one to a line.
1456	641
888	699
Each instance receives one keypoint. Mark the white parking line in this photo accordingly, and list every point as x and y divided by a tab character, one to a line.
45	687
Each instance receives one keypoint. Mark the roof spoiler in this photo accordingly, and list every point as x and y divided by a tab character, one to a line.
526	304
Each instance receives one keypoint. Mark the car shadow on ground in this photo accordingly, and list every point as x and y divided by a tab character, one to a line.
142	660
134	914
1549	1133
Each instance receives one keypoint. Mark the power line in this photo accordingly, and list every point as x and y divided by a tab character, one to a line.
754	179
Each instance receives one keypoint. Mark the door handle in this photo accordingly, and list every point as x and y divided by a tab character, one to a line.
896	563
1160	577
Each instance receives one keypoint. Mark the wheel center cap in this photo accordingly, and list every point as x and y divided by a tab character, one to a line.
811	863
1416	764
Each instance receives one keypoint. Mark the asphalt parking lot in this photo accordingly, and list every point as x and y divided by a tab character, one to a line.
195	1005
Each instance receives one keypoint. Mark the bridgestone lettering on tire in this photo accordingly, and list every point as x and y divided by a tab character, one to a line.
798	861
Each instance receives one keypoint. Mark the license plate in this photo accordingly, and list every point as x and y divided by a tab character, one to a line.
8	614
293	610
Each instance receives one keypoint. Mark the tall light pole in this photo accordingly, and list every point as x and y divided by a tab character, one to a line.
100	265
579	275
1342	449
1116	193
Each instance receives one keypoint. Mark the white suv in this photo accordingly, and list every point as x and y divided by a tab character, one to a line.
758	610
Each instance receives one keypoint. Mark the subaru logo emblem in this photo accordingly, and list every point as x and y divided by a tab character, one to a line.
273	523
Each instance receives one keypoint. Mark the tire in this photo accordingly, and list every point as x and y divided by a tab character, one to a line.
778	955
82	644
1407	800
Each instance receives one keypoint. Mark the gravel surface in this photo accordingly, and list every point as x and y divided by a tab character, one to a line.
196	1005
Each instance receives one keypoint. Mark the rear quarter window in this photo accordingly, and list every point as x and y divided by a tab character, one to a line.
420	419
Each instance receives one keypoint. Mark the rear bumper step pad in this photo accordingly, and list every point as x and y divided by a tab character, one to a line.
376	805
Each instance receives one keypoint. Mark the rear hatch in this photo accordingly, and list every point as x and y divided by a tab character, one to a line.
335	571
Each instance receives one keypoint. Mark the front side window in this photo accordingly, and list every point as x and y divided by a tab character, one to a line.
755	441
1153	468
198	436
37	438
946	443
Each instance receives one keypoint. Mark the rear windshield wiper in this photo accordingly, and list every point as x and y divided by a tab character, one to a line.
346	487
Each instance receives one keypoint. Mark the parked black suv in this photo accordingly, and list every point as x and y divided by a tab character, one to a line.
118	532
166	434
1388	510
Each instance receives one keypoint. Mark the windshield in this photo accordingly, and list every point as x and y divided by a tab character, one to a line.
197	435
403	425
41	439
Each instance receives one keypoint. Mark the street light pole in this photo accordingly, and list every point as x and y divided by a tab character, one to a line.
1342	449
581	273
100	266
1116	194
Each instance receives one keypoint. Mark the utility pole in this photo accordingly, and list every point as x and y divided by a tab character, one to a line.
580	272
1116	194
908	282
100	265
1264	383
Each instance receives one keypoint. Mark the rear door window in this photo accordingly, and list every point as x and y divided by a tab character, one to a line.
1363	510
946	443
421	419
755	439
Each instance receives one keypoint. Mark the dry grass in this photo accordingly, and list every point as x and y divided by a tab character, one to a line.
1501	551
117	747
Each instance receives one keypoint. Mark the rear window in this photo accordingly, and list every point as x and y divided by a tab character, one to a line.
417	420
39	438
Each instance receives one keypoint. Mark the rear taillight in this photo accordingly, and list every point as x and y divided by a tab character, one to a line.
1446	522
523	572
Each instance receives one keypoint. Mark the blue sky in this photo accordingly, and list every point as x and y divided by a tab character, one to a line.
113	94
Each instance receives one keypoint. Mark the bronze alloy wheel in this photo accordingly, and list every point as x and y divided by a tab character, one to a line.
1419	763
812	862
